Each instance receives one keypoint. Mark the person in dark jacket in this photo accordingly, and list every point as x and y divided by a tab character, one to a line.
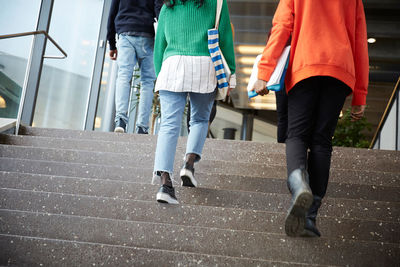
132	21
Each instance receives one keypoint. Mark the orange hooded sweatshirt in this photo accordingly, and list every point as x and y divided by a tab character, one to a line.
329	38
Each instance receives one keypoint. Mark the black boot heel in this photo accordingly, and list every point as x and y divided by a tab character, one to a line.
302	199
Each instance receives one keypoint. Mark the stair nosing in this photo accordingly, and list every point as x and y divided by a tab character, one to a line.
97	153
199	171
219	207
221	189
185	206
224	140
197	227
155	249
277	145
206	187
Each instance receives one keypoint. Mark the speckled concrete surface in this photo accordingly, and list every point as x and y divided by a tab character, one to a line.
197	239
196	215
273	202
50	252
83	169
254	184
85	198
123	153
210	143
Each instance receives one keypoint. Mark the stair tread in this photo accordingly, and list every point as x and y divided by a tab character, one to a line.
129	156
127	173
75	253
151	139
253	184
210	217
272	202
197	239
87	197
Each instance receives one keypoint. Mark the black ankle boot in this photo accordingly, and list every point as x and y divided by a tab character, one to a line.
301	201
310	228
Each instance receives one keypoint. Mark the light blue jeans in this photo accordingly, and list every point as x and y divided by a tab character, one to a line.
172	108
132	50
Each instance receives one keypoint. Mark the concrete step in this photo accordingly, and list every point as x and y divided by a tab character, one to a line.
213	164
32	251
273	153
144	174
195	215
269	202
109	255
254	184
210	241
231	145
64	190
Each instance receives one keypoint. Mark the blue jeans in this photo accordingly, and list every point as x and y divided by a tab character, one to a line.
132	50
172	108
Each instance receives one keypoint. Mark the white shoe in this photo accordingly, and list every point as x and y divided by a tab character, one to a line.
119	130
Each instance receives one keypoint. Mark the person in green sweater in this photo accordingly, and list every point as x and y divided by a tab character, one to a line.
184	69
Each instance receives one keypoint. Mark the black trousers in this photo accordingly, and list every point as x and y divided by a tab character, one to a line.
314	105
282	112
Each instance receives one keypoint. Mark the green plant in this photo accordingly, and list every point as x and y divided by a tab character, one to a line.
351	133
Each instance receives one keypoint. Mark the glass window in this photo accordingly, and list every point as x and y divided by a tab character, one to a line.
65	83
14	53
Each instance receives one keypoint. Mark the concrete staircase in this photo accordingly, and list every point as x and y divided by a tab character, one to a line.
84	198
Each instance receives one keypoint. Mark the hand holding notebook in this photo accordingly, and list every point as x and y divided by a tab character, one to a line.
277	79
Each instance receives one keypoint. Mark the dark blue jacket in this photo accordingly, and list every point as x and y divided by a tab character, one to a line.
135	16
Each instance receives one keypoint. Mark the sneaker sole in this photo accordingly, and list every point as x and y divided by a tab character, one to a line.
119	130
165	198
295	220
188	178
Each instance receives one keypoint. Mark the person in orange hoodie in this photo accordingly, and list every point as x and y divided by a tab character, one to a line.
328	61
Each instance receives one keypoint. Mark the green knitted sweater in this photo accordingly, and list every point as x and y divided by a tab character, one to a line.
182	30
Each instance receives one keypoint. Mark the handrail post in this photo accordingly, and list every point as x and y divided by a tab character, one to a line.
393	98
23	93
29	65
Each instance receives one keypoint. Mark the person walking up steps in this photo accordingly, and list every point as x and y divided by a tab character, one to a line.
184	68
133	21
328	61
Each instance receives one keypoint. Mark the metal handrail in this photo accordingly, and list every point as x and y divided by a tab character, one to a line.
23	93
7	36
393	97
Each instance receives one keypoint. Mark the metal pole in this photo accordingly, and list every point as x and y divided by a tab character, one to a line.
23	93
91	107
397	120
247	125
36	64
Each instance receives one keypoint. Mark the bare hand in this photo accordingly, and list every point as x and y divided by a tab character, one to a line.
357	112
232	83
113	54
229	90
260	87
